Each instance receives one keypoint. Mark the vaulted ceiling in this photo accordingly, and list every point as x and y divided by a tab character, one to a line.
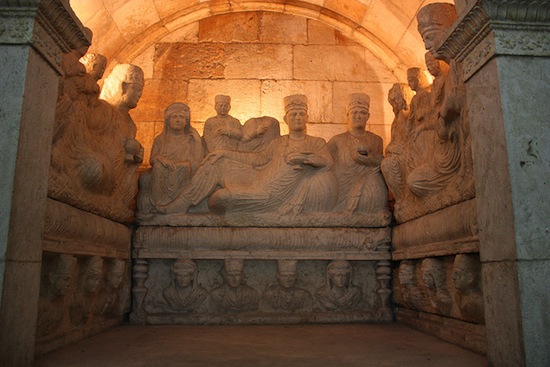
123	29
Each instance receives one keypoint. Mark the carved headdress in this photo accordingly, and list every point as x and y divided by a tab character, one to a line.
287	266
295	101
64	265
337	266
184	265
358	100
220	98
436	16
94	265
234	266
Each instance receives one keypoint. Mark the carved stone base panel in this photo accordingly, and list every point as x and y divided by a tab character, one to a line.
465	334
261	296
71	230
448	231
382	219
262	243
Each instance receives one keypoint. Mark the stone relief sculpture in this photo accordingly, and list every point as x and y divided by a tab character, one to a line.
108	300
292	175
258	132
222	131
467	279
176	154
339	293
412	294
51	304
433	275
84	300
94	153
357	155
285	296
393	166
234	295
185	294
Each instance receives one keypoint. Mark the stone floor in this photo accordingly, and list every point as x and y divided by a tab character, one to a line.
282	345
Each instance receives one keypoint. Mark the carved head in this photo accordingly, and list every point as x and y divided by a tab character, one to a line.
115	272
435	67
177	117
233	272
339	274
417	79
184	272
222	104
296	112
287	273
124	86
407	273
61	275
432	273
466	272
95	65
358	110
434	20
92	274
399	96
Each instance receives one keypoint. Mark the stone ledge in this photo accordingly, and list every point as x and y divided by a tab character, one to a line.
262	243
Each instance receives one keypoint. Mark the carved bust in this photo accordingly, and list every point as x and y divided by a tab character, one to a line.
339	293
234	295
184	294
285	296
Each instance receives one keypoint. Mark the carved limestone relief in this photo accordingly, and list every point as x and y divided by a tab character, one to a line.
184	294
339	293
94	151
84	300
234	295
438	169
467	282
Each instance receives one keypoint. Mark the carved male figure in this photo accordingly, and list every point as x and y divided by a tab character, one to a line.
176	154
467	279
290	176
413	296
185	294
433	277
357	155
222	131
84	300
393	166
285	296
234	295
339	293
51	305
108	297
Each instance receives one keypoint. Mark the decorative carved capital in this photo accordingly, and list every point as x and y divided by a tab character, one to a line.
50	26
499	27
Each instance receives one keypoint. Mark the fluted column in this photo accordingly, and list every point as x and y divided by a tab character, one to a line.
504	50
33	36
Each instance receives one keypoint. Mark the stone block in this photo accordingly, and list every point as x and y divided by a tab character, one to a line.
237	27
85	10
145	61
129	17
258	61
320	34
109	34
354	10
282	28
383	16
245	98
188	34
319	94
189	60
159	93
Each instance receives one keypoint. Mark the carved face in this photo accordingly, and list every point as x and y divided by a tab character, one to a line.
296	119
432	64
413	82
234	278
92	282
131	94
428	279
358	117
340	278
179	119
432	38
98	69
406	275
183	278
114	279
222	108
463	278
286	280
60	283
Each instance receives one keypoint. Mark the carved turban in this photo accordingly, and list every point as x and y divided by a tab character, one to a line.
287	266
295	101
184	265
94	265
436	16
234	266
220	98
358	100
177	106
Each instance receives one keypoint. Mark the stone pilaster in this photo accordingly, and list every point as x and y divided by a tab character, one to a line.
504	50
33	36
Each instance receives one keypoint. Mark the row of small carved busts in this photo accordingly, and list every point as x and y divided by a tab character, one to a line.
184	294
82	288
446	286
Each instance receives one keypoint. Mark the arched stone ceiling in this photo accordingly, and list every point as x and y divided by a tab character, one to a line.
123	29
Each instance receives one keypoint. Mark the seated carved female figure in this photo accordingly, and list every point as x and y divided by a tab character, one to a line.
176	154
339	293
290	176
357	156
